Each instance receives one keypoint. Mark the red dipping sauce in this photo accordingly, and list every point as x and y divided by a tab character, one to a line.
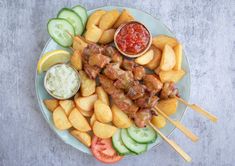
133	38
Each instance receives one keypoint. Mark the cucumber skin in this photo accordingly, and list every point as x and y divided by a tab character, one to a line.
85	12
68	9
121	154
53	37
147	142
132	152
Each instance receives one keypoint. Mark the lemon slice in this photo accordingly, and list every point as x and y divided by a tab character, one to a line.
51	58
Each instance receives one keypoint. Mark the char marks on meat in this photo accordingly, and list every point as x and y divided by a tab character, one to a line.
128	64
147	101
142	117
113	71
124	80
91	71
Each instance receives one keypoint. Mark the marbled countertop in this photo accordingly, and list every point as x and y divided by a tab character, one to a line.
205	27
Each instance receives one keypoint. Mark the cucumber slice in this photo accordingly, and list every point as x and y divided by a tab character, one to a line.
142	135
131	144
82	12
73	19
118	144
60	31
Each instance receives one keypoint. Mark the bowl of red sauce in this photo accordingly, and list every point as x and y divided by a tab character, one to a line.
132	39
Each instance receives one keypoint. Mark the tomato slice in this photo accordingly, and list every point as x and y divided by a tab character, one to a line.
103	150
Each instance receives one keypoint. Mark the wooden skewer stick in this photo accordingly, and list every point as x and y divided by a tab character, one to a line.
176	147
179	125
198	109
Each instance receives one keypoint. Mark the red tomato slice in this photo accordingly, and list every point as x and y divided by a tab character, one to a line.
103	151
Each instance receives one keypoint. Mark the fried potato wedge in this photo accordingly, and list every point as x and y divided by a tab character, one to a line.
102	111
92	120
145	58
102	95
93	34
168	59
86	103
67	105
79	43
120	119
178	56
82	137
76	96
103	130
158	121
168	106
86	113
155	62
108	19
161	40
172	75
87	84
76	60
51	104
78	121
124	17
94	19
60	119
107	36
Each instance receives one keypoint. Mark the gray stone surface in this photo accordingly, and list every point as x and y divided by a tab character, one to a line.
205	27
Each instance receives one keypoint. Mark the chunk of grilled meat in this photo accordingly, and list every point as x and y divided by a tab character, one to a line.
113	71
124	80
142	117
147	101
91	71
113	54
99	60
136	91
139	72
118	96
128	64
153	84
169	90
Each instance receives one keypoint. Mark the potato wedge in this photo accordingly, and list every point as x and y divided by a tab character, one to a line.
92	120
102	95
86	113
76	60
79	43
60	119
145	58
120	119
94	19
168	59
67	105
124	17
178	56
102	111
86	103
107	36
51	104
78	121
103	130
161	40
93	34
108	19
87	84
76	96
158	121
172	75
82	137
155	62
168	106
